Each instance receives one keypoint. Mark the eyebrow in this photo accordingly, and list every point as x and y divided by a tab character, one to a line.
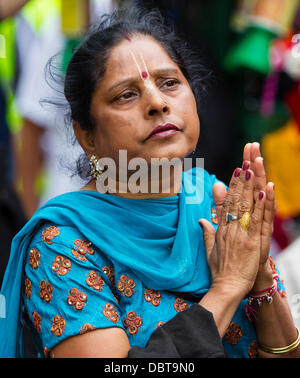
158	72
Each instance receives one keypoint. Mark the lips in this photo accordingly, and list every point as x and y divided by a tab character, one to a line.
161	130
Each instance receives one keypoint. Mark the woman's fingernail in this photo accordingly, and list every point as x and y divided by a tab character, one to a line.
237	172
261	195
248	175
246	166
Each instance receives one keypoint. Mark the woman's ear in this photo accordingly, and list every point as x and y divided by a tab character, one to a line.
85	138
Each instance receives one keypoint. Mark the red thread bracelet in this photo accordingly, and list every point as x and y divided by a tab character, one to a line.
259	297
265	290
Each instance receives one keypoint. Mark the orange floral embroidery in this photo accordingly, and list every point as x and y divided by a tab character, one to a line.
252	350
34	258
180	305
28	287
84	246
132	322
46	290
50	233
95	281
159	324
77	299
111	313
61	265
233	333
37	321
86	328
58	325
109	271
78	255
152	296
126	285
213	216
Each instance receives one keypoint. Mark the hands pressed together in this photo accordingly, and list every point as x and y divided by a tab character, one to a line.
238	257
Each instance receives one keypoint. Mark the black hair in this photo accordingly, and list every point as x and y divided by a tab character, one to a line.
88	63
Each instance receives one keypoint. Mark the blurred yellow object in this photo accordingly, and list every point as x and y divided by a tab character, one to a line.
74	17
260	21
281	150
277	15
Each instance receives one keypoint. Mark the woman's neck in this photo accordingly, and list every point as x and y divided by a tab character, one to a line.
167	185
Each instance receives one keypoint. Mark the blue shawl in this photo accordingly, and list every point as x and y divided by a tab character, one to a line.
159	239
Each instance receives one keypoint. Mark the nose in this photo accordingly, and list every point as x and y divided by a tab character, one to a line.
156	104
153	111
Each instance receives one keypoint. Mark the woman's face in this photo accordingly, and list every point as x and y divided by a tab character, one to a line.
141	89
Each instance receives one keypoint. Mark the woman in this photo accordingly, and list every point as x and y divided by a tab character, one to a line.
129	273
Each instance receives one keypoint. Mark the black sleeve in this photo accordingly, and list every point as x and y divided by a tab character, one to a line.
190	334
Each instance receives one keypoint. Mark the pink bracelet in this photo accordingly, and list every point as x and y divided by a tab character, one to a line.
255	293
267	295
259	297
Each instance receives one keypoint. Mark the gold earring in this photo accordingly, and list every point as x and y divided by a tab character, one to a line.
95	168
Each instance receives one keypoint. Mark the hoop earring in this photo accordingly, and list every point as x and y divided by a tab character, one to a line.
95	168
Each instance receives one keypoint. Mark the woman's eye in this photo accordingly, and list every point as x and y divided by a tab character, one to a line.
171	83
125	96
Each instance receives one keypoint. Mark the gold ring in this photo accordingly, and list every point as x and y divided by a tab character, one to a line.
245	221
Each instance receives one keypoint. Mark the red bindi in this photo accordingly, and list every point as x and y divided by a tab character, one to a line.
144	75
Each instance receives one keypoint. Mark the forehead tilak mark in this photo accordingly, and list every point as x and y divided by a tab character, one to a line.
145	74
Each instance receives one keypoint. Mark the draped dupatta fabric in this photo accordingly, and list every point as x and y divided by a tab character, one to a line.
159	239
